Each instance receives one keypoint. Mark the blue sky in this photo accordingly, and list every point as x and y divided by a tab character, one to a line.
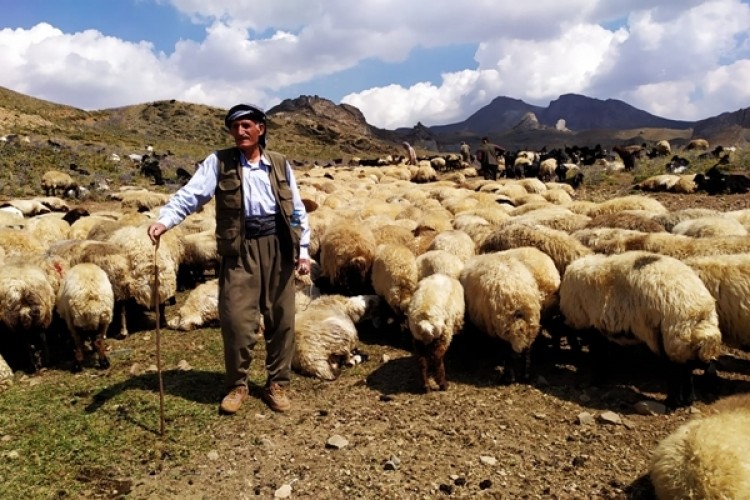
429	61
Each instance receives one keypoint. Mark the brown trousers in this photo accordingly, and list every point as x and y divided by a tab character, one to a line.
259	281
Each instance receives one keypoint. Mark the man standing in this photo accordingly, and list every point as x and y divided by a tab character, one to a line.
488	154
411	155
262	233
465	152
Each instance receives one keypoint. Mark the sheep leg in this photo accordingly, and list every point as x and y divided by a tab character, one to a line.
101	349
424	365
77	352
123	320
681	390
438	355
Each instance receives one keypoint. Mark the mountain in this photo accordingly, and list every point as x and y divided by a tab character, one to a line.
726	128
573	112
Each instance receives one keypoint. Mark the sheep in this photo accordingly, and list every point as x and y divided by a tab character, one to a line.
632	202
86	303
705	458
503	301
54	181
662	148
626	220
394	276
28	208
456	242
435	314
136	245
711	226
346	255
560	246
200	309
641	297
424	173
20	242
200	254
658	183
697	144
113	261
438	261
6	374
671	219
727	278
27	302
326	333
48	228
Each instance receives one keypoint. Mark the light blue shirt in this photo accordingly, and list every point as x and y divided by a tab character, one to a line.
258	196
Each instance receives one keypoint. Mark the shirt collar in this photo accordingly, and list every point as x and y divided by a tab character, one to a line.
264	161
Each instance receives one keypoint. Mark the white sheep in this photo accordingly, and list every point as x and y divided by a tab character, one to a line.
711	226
562	247
326	333
435	314
503	301
641	297
200	309
456	242
438	261
727	277
394	276
706	458
86	303
27	302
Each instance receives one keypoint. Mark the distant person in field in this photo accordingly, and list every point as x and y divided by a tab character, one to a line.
488	155
411	155
465	152
262	235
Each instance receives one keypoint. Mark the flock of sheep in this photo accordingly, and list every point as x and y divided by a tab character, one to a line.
512	258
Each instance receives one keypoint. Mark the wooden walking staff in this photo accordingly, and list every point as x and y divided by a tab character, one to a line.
155	300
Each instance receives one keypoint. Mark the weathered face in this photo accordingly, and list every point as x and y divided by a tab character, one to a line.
247	133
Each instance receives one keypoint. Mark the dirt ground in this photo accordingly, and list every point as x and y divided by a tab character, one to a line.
556	437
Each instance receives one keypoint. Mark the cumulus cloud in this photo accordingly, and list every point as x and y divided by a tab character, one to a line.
682	59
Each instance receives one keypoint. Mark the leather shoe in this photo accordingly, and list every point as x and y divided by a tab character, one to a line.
276	397
232	401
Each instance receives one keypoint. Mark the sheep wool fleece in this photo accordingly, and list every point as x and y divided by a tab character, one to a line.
256	278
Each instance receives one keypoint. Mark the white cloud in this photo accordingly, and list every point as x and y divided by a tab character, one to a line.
683	59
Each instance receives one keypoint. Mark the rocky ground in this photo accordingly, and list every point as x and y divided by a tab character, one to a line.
373	434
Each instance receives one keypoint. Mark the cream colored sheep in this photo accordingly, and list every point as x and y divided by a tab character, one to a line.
6	374
48	228
671	219
29	208
200	309
562	247
627	219
112	259
712	226
707	458
439	262
346	254
632	202
641	297
20	242
553	217
86	303
54	181
727	278
137	246
424	173
200	254
27	302
435	314
502	300
394	276
456	242
326	333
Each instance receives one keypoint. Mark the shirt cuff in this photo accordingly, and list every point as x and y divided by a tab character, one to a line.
304	253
